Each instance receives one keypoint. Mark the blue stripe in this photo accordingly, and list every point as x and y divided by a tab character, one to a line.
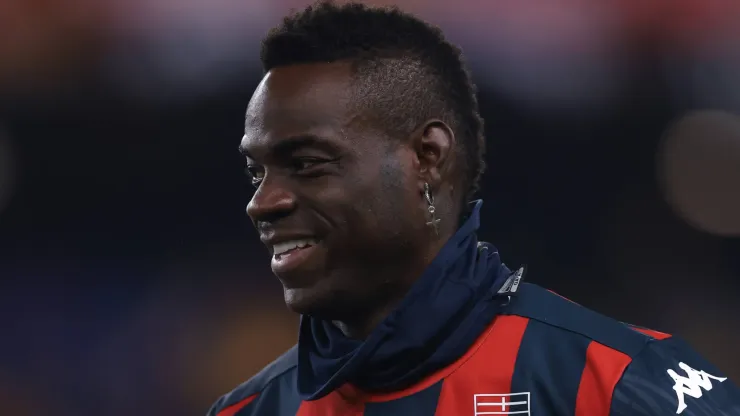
280	398
278	368
423	403
538	304
549	366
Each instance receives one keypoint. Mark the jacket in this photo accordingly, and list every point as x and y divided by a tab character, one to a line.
471	338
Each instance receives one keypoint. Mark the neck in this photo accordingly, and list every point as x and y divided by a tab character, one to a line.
362	327
359	323
362	324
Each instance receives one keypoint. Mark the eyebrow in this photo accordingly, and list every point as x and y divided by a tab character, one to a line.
293	143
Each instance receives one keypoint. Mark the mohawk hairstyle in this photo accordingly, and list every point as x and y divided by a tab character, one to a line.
406	72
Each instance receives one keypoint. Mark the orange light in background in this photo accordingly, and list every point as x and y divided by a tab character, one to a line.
678	22
19	402
699	170
242	346
41	40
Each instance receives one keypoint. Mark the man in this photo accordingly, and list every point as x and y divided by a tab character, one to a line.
364	144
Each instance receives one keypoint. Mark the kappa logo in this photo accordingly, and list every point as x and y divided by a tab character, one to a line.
501	404
691	385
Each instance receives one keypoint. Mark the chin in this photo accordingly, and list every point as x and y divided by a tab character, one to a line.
321	302
308	301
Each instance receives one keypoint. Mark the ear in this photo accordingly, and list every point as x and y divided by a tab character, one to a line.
433	144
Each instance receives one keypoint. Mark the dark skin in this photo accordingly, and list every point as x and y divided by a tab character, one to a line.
324	170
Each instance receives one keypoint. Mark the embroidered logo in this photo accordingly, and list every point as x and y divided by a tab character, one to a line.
501	404
692	384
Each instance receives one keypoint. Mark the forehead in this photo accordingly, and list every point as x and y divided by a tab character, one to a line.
297	100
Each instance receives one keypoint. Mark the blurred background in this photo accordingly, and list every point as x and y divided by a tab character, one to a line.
132	282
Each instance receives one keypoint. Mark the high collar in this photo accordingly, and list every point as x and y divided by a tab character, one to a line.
447	308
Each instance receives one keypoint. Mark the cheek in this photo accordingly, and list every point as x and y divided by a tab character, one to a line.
376	199
386	202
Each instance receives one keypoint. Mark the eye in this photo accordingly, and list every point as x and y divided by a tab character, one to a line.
306	163
255	174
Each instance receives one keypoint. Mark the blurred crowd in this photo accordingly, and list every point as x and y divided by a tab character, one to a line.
131	281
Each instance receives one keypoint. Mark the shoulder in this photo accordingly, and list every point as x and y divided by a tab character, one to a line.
248	392
556	316
604	366
670	376
569	357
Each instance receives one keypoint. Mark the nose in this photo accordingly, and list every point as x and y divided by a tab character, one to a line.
271	201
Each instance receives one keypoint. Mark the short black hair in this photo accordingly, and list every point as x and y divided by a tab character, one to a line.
408	73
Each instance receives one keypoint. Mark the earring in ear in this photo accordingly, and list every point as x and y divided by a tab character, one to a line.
433	221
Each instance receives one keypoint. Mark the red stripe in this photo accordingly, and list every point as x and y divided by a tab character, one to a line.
334	404
652	333
604	367
488	369
234	408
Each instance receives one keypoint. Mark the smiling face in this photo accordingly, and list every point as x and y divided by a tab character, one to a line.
337	202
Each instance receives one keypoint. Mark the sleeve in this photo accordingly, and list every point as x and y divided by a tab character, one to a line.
225	407
668	377
213	411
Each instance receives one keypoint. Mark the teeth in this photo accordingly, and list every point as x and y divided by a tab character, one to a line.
281	248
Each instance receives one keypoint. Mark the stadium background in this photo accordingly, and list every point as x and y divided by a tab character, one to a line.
133	284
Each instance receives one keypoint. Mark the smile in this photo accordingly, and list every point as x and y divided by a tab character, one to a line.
287	247
289	255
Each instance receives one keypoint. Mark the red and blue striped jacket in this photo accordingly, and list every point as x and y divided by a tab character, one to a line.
543	355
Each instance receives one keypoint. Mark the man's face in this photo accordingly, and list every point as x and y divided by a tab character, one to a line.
337	203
